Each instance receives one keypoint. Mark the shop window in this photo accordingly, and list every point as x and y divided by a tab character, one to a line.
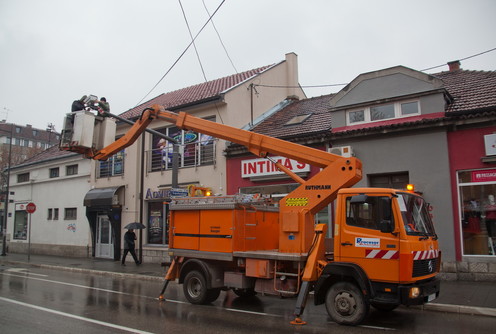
21	225
158	226
477	191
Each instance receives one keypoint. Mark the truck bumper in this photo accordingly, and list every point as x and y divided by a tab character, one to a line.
420	293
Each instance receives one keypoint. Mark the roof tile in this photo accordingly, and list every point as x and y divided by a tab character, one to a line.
195	93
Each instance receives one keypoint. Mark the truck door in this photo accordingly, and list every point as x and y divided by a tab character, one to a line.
366	236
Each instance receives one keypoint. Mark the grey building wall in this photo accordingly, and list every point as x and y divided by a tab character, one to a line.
424	156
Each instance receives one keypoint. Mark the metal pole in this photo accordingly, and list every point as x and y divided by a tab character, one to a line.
29	238
6	209
142	197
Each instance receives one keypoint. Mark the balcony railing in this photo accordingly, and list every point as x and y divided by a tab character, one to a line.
190	155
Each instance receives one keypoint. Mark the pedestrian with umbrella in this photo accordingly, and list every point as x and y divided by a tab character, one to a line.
129	238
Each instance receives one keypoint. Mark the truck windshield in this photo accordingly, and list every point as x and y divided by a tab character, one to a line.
415	213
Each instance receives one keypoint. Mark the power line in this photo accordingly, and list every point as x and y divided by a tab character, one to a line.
182	54
220	39
198	56
344	84
300	86
193	41
478	54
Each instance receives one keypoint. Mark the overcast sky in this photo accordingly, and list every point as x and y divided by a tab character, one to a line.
55	51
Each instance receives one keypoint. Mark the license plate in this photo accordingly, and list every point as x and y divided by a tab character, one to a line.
431	297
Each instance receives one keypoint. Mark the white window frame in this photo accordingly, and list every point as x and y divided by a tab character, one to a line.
397	112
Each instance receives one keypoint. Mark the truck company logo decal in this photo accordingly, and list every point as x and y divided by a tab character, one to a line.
381	254
318	187
297	201
368	242
424	255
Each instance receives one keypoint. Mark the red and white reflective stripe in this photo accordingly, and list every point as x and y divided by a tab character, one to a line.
424	255
381	254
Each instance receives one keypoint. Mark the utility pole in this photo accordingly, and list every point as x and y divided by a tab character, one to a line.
7	192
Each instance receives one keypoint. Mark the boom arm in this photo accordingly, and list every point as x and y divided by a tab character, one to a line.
298	208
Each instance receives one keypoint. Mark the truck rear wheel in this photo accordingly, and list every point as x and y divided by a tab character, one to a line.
195	289
346	304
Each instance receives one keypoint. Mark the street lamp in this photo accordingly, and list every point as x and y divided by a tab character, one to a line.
6	206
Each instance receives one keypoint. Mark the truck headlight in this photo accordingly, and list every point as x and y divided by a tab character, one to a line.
414	292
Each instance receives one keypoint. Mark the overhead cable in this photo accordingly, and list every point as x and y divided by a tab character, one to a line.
182	54
478	54
220	39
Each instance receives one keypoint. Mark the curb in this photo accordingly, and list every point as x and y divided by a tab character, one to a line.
90	271
460	309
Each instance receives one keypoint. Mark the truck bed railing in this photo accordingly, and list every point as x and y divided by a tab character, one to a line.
238	201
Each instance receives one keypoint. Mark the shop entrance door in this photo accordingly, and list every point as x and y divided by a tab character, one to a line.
104	246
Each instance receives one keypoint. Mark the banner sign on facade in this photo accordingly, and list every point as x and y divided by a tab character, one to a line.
264	167
486	175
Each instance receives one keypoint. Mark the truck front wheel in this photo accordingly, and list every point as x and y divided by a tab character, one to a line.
346	304
195	289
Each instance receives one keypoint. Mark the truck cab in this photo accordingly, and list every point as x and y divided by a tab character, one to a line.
385	248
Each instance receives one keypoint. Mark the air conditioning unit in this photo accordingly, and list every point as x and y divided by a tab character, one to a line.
344	151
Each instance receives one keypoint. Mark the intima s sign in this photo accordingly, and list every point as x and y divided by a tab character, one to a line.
264	167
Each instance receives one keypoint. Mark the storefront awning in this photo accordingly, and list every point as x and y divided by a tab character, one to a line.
101	197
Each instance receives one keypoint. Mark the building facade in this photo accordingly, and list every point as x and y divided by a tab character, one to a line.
55	181
409	127
135	184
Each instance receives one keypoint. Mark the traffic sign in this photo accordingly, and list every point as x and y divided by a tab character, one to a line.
30	208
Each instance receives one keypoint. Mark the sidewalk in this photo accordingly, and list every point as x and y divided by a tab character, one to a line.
456	296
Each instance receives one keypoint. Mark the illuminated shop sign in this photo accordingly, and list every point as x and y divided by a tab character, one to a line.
486	175
264	167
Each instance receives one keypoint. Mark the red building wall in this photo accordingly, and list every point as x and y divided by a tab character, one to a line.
466	148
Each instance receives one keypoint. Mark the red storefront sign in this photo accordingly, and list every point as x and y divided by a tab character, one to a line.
486	175
264	167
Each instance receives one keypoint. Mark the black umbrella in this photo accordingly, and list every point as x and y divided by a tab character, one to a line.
135	226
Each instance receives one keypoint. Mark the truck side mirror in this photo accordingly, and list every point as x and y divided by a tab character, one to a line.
386	226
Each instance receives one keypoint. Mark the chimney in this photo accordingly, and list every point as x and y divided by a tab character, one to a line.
454	65
292	74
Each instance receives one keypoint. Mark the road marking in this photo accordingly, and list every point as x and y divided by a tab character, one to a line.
252	312
23	271
70	284
378	327
101	323
129	294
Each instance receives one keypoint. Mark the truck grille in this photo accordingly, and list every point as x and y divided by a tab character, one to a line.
424	267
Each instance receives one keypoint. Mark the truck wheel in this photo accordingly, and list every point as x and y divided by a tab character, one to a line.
346	304
384	307
195	289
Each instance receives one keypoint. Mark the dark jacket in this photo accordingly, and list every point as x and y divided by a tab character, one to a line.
129	238
77	105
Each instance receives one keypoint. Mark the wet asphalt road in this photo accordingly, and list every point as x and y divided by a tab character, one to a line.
34	300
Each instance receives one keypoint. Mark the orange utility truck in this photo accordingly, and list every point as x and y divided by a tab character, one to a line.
383	250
